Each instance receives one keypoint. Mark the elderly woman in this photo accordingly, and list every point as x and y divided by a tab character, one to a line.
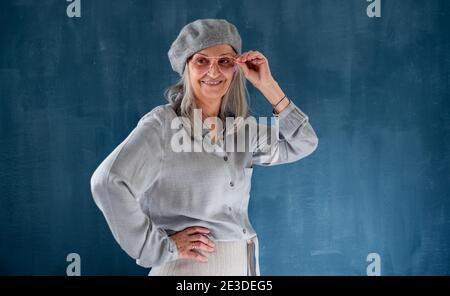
186	212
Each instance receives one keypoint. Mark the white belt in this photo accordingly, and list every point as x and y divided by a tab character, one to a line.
253	256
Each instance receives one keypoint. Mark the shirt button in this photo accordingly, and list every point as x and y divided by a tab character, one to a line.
244	230
225	158
231	183
229	209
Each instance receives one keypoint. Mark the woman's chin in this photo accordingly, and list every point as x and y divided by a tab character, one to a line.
214	89
213	93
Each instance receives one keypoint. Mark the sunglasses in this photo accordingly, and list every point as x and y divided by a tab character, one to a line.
202	63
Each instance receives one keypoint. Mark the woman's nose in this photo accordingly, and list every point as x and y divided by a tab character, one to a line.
214	69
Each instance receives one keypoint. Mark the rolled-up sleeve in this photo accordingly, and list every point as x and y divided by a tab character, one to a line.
290	138
117	186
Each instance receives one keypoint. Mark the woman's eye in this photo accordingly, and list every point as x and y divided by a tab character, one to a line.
201	61
224	61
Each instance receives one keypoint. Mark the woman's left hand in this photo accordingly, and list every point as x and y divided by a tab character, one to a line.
255	67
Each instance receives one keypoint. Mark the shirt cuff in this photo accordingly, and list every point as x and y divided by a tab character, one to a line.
158	249
290	119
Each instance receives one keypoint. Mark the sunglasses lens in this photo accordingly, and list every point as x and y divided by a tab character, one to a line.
201	63
226	63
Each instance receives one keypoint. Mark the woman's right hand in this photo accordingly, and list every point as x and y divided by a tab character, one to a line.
190	240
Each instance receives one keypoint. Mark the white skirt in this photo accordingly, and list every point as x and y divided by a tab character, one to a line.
230	258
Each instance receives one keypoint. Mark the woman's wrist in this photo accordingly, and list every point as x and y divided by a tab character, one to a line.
275	95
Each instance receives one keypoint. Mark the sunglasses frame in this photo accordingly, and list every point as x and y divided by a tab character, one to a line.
216	58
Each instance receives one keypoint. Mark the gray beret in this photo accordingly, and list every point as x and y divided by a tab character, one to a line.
201	34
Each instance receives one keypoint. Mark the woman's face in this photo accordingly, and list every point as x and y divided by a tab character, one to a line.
212	64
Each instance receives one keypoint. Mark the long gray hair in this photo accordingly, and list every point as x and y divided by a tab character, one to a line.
234	102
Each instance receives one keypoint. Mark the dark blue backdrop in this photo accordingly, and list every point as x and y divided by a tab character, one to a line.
376	90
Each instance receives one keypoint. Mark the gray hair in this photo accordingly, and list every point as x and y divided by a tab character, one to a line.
234	102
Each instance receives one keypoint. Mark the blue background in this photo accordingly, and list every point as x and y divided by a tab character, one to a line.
376	91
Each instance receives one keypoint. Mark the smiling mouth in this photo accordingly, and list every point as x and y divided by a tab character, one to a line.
212	83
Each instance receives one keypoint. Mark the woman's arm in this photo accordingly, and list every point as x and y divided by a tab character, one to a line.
290	138
118	184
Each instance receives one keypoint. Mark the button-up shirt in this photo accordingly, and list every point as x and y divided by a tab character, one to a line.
147	190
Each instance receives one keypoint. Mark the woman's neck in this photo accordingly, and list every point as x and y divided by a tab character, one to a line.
210	108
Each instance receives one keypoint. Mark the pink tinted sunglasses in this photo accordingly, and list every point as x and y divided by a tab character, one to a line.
203	63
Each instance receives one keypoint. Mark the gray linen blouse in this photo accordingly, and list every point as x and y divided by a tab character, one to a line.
147	191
